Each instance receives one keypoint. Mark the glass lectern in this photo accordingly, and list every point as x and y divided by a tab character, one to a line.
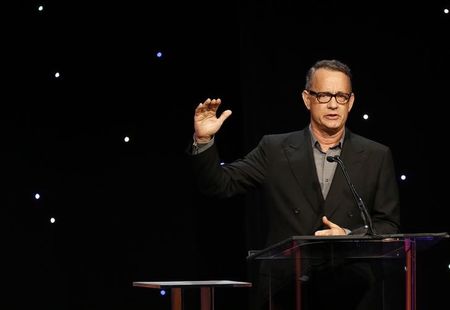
301	249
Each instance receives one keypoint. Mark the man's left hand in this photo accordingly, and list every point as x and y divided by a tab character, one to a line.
333	230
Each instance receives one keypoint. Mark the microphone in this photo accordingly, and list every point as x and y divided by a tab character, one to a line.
359	202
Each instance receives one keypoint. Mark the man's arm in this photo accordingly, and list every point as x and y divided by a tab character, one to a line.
386	209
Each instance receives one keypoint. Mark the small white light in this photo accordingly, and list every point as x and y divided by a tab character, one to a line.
37	196
126	139
448	266
446	11
52	220
406	269
222	163
57	75
162	292
40	8
366	116
403	177
159	54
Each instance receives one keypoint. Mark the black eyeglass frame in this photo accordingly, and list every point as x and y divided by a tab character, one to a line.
319	95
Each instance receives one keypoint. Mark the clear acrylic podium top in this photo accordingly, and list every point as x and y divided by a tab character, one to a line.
351	246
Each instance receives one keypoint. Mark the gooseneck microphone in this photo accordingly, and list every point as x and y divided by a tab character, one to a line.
359	202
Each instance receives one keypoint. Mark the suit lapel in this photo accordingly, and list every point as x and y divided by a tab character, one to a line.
299	153
352	156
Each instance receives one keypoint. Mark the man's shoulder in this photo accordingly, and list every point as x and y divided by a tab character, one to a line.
285	136
367	143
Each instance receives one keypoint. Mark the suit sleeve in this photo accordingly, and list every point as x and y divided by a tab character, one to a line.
386	210
229	179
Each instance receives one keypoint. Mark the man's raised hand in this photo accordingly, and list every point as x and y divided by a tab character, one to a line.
206	122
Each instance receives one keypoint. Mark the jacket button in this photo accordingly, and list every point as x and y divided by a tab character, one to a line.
297	211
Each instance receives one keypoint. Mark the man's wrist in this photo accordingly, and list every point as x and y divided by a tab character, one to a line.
202	140
200	146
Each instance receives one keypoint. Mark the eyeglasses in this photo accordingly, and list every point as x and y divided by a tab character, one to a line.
325	97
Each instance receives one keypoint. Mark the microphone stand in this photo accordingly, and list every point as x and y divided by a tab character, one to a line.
359	202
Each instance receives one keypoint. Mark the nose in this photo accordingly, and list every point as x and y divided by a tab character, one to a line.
332	104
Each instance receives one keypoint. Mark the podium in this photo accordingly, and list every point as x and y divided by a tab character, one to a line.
300	249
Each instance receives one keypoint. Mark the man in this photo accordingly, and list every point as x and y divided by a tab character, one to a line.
303	192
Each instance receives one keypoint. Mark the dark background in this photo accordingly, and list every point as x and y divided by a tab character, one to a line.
128	211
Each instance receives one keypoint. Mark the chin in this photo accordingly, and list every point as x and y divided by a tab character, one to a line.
332	126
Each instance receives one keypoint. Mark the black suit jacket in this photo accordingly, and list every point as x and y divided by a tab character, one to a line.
282	167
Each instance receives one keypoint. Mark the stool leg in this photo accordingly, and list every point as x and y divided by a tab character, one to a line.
176	299
206	297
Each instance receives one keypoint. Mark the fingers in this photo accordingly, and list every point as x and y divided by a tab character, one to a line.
329	223
210	104
333	229
225	114
325	232
330	232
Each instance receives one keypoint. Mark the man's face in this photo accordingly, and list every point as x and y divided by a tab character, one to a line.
331	116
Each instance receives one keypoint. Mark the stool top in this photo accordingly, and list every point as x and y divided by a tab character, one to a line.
209	283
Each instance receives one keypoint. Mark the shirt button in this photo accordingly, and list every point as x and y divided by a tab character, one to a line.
296	211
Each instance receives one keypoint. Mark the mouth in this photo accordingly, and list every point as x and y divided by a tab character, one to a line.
332	116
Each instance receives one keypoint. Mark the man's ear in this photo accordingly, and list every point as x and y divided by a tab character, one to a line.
350	102
306	99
